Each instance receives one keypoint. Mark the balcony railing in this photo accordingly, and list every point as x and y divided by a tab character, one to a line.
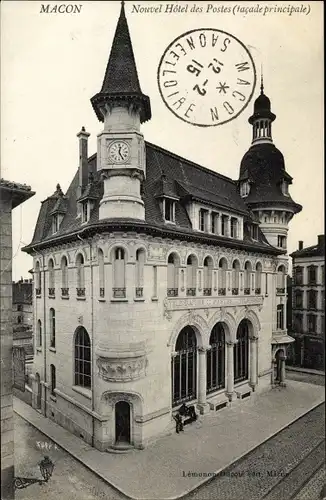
139	292
191	292
65	292
37	291
246	291
80	292
235	291
207	292
222	291
172	292
51	292
280	290
119	293
102	292
257	291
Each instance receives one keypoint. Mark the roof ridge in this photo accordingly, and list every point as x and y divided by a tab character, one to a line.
193	164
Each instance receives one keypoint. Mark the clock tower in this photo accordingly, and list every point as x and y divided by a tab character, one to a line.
122	107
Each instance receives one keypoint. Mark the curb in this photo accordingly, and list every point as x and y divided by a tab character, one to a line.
189	490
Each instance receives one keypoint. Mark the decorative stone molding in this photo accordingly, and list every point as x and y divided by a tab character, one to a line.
179	304
122	363
197	322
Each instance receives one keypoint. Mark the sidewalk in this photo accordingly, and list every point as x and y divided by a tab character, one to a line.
304	370
207	446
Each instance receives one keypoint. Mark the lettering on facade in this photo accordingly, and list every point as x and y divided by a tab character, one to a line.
209	302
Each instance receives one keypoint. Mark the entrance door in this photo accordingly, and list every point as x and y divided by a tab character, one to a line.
278	367
122	422
39	394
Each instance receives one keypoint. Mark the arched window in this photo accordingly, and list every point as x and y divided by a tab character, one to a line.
216	359
64	277
208	271
51	277
100	256
280	285
38	281
140	262
192	264
39	333
173	275
235	277
184	367
52	327
222	276
241	352
82	358
53	379
80	275
258	278
247	278
119	273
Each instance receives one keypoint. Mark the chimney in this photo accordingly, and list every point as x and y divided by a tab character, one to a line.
300	245
321	241
83	158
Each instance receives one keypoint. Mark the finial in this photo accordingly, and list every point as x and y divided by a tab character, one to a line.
83	129
58	187
261	80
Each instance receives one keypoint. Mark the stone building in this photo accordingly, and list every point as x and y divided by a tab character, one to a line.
308	305
11	196
22	310
157	281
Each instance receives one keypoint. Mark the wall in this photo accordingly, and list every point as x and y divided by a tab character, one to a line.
7	424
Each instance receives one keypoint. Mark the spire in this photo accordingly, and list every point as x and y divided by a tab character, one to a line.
261	80
121	77
121	72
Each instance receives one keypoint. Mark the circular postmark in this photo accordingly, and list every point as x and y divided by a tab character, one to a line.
206	77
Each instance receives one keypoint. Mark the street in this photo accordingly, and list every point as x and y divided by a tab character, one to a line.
70	480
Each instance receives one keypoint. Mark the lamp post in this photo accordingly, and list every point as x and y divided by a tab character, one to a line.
46	467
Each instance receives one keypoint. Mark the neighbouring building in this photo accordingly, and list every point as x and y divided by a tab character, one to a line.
11	196
308	304
157	281
22	307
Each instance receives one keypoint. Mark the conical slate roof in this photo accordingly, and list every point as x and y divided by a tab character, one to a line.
121	79
121	72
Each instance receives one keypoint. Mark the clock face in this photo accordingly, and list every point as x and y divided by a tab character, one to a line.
119	152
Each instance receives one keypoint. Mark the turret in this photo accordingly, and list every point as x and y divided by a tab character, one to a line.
122	107
263	181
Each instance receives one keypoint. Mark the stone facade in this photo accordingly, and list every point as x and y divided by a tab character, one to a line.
133	338
11	195
308	305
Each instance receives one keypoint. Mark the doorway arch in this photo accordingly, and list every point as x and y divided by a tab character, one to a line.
122	422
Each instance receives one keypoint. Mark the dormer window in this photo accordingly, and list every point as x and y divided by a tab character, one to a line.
169	210
203	215
85	212
285	187
281	241
244	189
234	227
254	231
55	223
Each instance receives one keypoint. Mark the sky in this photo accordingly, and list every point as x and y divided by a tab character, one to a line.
52	64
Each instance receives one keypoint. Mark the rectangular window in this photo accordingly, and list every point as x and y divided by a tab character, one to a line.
298	303
234	227
323	299
55	225
311	319
298	275
254	231
85	212
203	219
169	208
53	380
244	189
323	275
224	224
280	317
312	275
214	216
298	323
281	242
312	299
